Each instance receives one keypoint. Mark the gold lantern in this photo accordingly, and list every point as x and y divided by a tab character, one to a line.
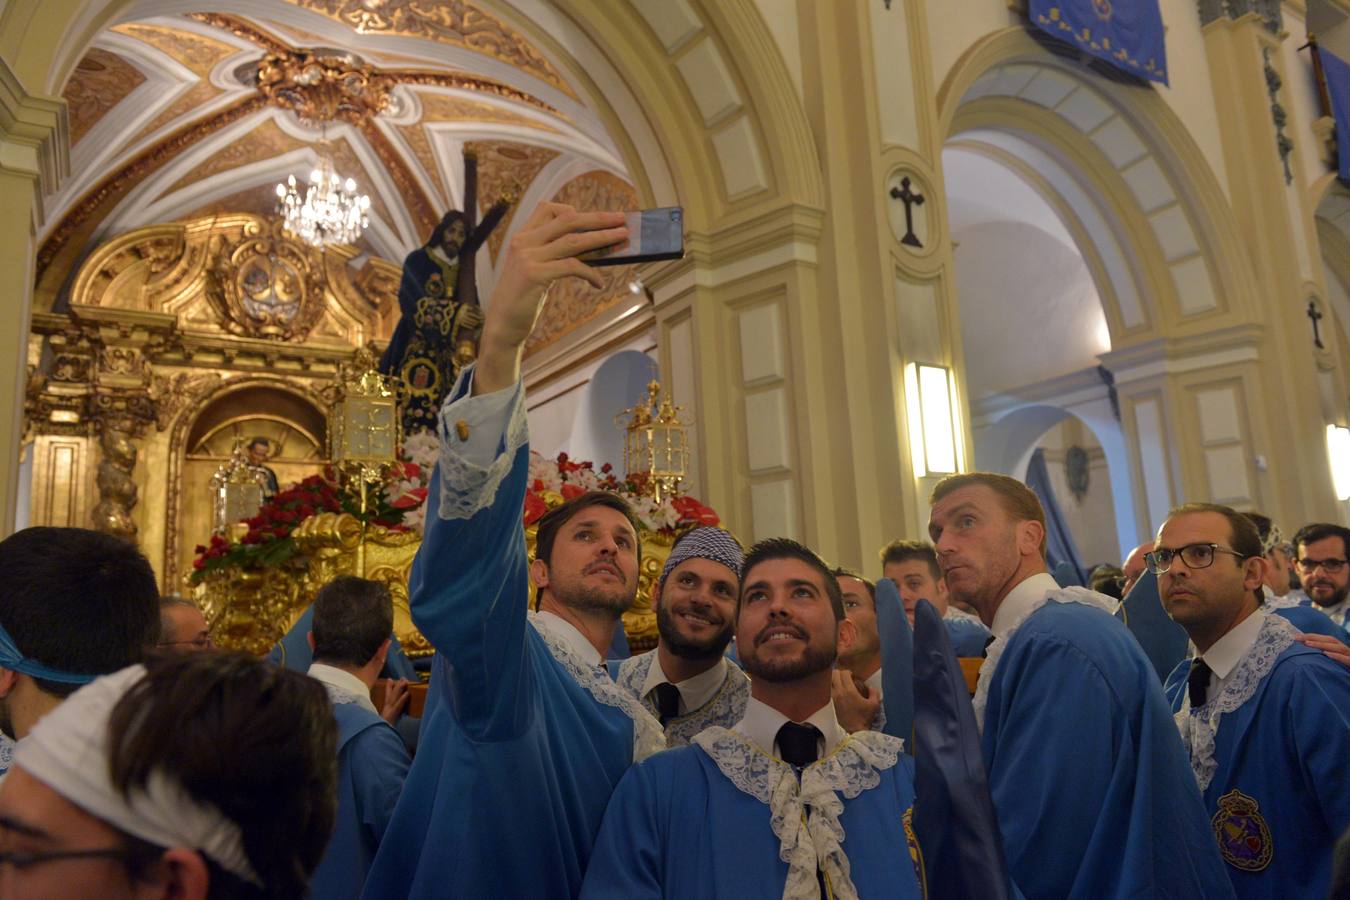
364	427
238	489
656	443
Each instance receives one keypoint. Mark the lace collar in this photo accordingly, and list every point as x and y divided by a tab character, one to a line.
467	487
1199	725
804	815
725	708
342	687
647	735
995	650
960	615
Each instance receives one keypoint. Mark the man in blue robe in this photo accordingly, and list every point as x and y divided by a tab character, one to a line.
1094	795
1265	719
686	681
1323	551
785	804
524	735
913	566
352	618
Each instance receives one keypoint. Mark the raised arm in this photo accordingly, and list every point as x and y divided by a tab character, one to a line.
469	585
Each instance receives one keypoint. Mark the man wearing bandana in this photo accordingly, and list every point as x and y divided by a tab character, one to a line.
77	604
687	681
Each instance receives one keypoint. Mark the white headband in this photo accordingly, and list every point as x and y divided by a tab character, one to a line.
68	750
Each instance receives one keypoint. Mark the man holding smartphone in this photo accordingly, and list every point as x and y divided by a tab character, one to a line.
524	736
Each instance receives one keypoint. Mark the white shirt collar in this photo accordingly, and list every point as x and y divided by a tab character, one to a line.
1229	650
873	683
694	692
345	682
570	635
1337	612
1020	599
761	723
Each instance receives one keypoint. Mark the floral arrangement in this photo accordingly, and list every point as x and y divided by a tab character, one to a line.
396	504
553	481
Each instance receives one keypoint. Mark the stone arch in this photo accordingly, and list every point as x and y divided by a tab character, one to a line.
1149	211
1007	442
710	65
620	381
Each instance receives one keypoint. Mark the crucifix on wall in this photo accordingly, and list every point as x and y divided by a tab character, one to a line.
911	199
1315	316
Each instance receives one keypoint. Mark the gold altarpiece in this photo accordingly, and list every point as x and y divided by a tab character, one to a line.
179	339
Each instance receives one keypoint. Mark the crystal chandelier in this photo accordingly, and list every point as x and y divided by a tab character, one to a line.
330	212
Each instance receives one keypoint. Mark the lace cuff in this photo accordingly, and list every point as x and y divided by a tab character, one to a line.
1199	726
995	650
472	468
805	815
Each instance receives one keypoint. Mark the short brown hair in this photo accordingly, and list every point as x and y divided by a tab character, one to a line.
1018	500
842	572
553	521
353	617
1242	533
904	551
786	548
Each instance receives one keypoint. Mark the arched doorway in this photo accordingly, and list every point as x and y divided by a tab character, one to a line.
293	424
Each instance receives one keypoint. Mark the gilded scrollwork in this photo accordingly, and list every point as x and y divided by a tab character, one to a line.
265	284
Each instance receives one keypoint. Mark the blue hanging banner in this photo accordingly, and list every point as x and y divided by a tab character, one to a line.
1337	73
1126	33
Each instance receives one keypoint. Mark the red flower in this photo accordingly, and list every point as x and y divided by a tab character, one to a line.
412	470
570	491
534	508
538	485
199	563
199	549
606	468
410	500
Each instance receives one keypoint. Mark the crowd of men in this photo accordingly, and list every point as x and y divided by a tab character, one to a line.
771	745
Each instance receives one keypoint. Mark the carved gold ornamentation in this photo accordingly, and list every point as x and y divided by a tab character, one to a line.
264	142
195	52
101	80
572	302
452	22
265	284
505	167
324	86
116	487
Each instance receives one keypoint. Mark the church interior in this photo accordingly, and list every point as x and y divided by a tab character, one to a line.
915	244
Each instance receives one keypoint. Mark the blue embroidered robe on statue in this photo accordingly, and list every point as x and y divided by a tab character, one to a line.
1093	790
678	828
1285	749
517	759
372	765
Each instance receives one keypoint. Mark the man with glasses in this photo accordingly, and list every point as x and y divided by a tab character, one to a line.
1265	719
182	627
1322	550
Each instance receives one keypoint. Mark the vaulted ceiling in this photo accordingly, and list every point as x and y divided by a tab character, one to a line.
167	123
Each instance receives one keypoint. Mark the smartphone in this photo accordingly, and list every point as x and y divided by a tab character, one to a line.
652	234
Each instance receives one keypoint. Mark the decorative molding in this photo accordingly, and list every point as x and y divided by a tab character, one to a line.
34	136
1284	145
1269	11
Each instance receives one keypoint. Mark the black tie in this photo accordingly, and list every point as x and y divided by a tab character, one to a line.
667	701
987	641
798	744
1198	682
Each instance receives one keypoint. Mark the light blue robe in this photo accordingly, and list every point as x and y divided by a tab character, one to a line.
725	708
1312	621
372	766
517	759
1286	749
968	636
1094	794
678	827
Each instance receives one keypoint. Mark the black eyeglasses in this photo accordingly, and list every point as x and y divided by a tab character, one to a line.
1195	556
21	861
1309	566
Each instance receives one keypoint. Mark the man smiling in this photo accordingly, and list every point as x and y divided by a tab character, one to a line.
687	681
1322	552
784	804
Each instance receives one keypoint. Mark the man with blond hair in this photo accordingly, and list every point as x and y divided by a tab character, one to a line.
1090	782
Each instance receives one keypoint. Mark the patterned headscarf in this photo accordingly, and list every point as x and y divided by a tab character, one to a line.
707	542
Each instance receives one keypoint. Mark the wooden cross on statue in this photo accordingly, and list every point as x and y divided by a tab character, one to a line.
911	199
1316	317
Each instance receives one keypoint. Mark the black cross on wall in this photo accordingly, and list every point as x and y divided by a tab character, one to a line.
911	199
1316	318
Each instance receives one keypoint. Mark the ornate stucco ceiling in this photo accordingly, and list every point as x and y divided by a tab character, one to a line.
167	123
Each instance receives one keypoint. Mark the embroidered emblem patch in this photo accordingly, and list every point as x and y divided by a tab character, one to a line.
1244	838
915	855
